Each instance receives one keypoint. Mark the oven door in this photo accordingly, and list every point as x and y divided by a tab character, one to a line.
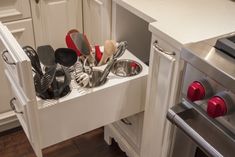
197	134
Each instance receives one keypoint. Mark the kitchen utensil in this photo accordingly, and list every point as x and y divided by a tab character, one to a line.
109	50
33	56
107	70
47	78
65	56
81	43
126	68
94	79
46	55
98	54
82	79
122	46
70	44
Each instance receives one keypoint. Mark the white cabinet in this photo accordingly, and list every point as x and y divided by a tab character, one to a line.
52	20
127	133
162	91
17	17
11	10
97	20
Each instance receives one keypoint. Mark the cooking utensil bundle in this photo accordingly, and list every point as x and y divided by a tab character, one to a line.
52	80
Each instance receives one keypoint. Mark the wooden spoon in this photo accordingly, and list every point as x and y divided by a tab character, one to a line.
109	50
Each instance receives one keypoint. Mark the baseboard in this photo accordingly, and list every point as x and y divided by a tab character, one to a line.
8	120
112	132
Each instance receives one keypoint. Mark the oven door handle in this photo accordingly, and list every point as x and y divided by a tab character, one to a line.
173	116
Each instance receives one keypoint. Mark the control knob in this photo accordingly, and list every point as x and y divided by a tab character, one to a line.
219	105
199	90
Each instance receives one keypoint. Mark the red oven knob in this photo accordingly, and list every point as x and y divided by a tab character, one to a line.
196	91
219	105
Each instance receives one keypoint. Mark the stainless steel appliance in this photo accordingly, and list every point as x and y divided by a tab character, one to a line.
205	119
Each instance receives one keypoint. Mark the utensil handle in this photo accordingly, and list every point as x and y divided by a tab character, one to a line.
37	1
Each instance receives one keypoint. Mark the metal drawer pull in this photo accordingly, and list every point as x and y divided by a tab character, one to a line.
126	121
158	48
4	57
13	106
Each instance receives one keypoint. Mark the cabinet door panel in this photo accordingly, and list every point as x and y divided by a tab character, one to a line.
14	10
54	18
97	20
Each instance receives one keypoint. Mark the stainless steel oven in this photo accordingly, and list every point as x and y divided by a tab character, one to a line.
205	118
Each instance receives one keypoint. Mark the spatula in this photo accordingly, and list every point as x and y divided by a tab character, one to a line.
109	50
46	55
65	56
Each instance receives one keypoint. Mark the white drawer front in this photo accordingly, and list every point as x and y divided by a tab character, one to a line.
22	30
18	104
14	10
131	129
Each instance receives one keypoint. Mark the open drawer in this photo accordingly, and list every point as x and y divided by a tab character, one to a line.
51	121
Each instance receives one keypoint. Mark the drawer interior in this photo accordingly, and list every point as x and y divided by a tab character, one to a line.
86	109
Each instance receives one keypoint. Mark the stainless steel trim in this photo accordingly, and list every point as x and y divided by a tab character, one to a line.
158	48
13	106
212	62
182	116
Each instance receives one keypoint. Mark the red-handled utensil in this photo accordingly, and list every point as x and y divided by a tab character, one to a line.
98	53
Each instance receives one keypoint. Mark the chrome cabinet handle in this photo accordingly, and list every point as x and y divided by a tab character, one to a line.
37	1
126	121
4	57
158	48
13	106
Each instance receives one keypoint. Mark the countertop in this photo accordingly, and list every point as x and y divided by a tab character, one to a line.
185	21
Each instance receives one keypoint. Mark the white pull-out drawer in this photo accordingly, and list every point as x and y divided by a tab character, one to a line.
80	111
14	10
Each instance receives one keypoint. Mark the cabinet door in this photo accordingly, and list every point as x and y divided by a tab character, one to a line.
161	92
97	20
22	30
54	18
14	10
17	68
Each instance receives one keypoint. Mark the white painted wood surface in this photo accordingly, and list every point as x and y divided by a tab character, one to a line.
162	90
185	20
11	10
52	20
97	20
